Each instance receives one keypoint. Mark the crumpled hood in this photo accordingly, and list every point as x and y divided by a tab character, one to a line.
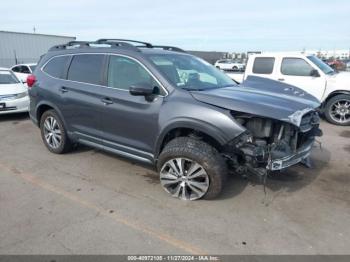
262	97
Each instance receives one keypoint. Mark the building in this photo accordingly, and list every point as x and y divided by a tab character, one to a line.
16	47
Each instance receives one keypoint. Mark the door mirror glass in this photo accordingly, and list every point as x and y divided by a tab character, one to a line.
314	73
141	89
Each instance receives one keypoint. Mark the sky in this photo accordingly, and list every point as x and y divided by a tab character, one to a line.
212	25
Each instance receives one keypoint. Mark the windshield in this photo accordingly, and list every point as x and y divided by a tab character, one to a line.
189	72
7	77
32	67
321	65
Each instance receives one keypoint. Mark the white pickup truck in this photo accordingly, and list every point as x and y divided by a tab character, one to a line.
310	74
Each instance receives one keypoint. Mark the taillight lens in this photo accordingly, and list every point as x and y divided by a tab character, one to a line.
31	80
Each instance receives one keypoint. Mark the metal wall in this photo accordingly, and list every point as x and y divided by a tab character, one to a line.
18	48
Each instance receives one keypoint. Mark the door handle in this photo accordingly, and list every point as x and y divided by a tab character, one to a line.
63	89
280	79
107	101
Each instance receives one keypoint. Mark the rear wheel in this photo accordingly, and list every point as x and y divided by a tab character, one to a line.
337	110
53	133
191	169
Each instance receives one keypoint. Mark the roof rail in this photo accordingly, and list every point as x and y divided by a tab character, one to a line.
169	48
114	43
104	40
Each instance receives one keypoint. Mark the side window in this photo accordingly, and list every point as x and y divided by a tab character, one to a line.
124	72
16	69
295	67
86	69
263	65
25	70
56	66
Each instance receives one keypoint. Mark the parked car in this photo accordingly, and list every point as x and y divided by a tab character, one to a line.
22	71
309	73
169	109
13	94
336	64
229	64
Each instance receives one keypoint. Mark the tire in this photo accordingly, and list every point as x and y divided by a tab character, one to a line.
330	108
218	67
57	129
235	68
197	152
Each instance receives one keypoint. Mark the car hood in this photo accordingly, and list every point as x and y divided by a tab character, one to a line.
11	89
341	77
262	97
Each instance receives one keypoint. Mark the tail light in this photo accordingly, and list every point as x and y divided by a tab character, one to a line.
31	80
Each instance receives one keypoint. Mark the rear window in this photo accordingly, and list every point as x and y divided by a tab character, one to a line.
263	65
56	66
86	69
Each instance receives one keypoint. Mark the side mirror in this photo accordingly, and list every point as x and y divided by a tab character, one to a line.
314	73
141	89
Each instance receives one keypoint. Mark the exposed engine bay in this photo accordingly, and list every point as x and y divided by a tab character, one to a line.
270	144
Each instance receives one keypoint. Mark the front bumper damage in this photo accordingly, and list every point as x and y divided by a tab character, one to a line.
271	145
287	161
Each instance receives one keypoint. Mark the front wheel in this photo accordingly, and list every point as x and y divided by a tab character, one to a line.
191	169
337	110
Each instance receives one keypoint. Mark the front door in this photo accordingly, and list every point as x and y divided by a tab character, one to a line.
296	71
130	123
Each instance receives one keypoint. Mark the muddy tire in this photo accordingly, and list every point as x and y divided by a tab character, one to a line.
177	165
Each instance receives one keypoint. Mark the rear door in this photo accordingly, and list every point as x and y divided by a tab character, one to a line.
80	96
130	123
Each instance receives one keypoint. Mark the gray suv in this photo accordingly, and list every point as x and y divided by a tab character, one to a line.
160	105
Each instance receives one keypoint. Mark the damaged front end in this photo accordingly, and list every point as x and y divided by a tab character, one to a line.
270	144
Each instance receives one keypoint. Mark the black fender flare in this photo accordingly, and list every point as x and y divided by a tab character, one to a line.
195	124
47	103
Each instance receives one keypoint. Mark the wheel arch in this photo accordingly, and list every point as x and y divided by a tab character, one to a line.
43	107
333	94
205	131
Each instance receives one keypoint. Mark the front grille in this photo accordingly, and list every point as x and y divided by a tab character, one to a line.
7	97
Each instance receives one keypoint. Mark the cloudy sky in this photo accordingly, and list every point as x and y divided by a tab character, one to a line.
222	25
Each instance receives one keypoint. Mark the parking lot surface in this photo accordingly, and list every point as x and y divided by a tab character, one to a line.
92	202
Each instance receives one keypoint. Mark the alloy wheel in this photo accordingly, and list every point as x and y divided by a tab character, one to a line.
184	178
52	132
340	111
